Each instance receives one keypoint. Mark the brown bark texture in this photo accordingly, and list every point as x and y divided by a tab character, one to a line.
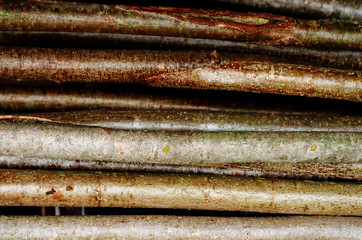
73	189
179	227
41	138
323	57
260	28
181	69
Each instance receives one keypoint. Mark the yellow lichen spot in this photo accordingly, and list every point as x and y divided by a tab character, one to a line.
313	147
166	149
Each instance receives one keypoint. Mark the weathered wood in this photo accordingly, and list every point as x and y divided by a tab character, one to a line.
72	189
46	139
179	227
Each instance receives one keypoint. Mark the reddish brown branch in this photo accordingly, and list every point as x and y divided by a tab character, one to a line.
181	69
260	28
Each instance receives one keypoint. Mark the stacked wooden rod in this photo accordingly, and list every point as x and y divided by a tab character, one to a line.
207	111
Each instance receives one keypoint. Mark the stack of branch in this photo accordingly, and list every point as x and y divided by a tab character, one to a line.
176	108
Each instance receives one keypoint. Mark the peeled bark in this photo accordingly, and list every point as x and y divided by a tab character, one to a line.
72	189
19	99
260	28
303	171
326	58
179	227
339	9
186	120
181	69
46	139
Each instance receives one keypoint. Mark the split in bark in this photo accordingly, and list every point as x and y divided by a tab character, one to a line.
181	69
186	120
179	227
46	139
260	28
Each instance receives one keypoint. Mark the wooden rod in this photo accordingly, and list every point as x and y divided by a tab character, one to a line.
180	69
303	171
43	138
179	227
259	28
89	189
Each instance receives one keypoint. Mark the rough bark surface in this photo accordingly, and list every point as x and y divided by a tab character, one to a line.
177	227
72	189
